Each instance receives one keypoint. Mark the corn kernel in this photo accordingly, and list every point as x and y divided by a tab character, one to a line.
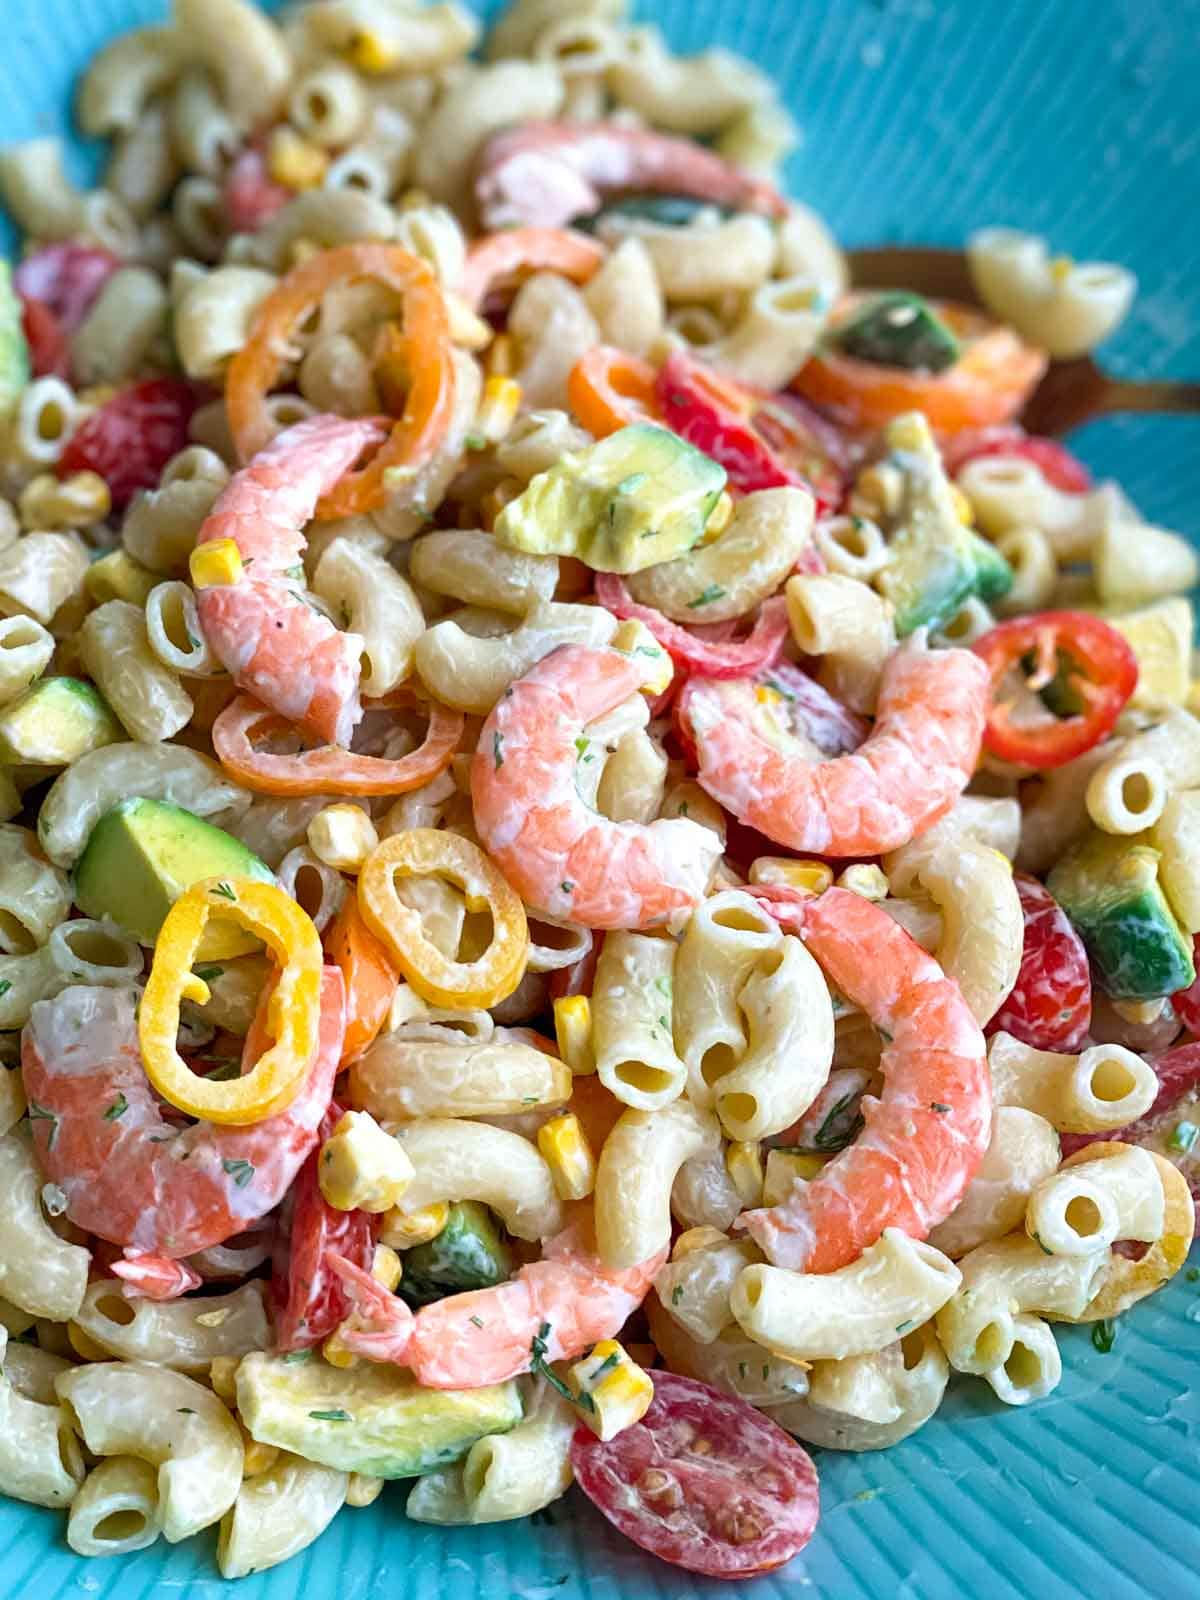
295	162
47	503
1060	268
387	1267
363	1490
719	518
402	1231
809	877
1160	636
117	576
612	1391
863	879
342	836
222	1375
217	562
783	1169
910	431
567	1153
634	638
501	357
743	1162
878	491
500	403
85	1346
258	1456
467	329
701	1238
371	53
362	1168
1140	1012
336	1353
573	1031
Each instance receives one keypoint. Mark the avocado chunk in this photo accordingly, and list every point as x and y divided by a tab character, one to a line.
14	350
371	1418
1108	886
937	562
899	329
143	854
56	721
469	1253
641	496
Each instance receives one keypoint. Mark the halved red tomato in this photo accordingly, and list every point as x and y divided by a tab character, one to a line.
703	1481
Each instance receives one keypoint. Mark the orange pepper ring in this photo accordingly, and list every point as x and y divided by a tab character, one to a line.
438	978
608	389
427	349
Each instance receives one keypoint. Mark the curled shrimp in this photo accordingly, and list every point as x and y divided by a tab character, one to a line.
276	646
563	858
926	1134
916	761
159	1189
549	173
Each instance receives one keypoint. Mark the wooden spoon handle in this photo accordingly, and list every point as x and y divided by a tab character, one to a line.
1075	392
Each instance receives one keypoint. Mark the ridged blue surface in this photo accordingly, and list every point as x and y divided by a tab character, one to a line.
922	118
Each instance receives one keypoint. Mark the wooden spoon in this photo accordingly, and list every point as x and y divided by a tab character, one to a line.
1071	393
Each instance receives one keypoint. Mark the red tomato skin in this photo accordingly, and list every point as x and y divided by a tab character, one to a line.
130	439
49	352
1050	1005
753	1469
251	198
1187	1001
66	278
308	1298
1057	465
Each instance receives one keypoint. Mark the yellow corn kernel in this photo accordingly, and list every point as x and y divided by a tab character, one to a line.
258	1456
612	1391
878	491
85	1346
295	162
743	1162
783	1168
635	639
1060	268
573	1031
865	880
962	506
701	1238
909	431
501	357
363	1490
117	576
810	877
342	836
567	1153
362	1168
336	1353
1140	1012
222	1375
466	328
75	502
402	1231
719	518
371	53
500	403
386	1267
217	562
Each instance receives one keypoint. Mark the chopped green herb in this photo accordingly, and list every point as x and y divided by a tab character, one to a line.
766	1371
1193	1274
707	597
1037	1239
743	1369
240	1171
337	1415
904	1327
539	1364
836	1132
774	683
118	1109
646	650
478	1321
497	748
937	1105
185	1411
209	974
293	572
632	483
683	808
225	890
224	1068
294	1357
1104	1334
607	1365
1184	1136
39	1113
567	886
664	1024
663	985
529	1099
581	745
676	1294
475	441
5	986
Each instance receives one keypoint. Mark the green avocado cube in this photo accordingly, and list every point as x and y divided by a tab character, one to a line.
143	854
641	496
54	722
469	1253
373	1418
899	329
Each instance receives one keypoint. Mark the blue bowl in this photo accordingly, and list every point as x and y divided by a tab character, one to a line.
922	119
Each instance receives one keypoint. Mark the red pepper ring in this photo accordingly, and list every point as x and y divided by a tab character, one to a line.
735	658
1102	671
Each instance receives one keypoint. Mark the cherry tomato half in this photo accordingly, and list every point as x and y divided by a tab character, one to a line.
130	439
1057	465
1050	1005
66	278
1094	664
703	1481
250	197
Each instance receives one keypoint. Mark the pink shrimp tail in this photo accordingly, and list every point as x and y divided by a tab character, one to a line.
380	1325
148	1277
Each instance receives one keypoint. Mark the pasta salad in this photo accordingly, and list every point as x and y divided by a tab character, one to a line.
599	852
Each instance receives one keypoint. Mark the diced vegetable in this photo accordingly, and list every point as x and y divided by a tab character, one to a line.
55	722
469	1253
1050	1005
899	329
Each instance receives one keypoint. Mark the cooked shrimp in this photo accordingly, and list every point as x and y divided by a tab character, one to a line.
380	1324
549	173
926	1134
129	1175
146	1277
564	859
915	763
277	647
486	1336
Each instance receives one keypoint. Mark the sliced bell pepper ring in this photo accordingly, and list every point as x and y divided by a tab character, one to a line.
428	357
734	658
498	256
759	442
370	978
293	1014
1094	664
988	384
608	389
328	769
443	981
1057	465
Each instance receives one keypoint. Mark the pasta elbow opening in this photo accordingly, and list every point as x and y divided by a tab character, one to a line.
119	1526
1082	1215
738	1110
116	1309
1023	1369
1112	1080
991	1345
718	1060
642	1076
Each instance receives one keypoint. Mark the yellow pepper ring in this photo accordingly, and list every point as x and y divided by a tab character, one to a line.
1126	1282
293	1016
438	978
